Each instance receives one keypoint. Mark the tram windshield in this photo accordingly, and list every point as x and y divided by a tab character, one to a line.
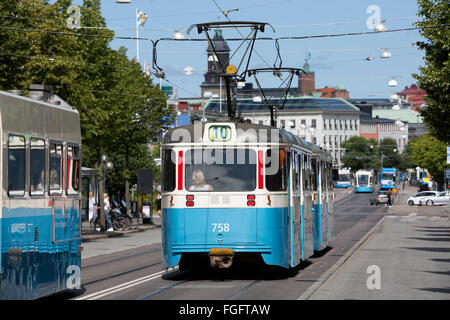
344	177
364	179
388	176
220	170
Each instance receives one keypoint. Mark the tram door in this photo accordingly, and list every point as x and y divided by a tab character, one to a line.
308	217
295	209
330	209
323	201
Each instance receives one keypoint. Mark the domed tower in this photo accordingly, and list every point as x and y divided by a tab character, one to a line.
306	81
212	80
341	92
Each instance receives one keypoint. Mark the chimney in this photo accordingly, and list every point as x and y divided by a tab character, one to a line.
40	92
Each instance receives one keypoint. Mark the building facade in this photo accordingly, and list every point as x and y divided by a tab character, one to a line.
380	128
325	122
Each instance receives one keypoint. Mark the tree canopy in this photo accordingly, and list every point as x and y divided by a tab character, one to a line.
360	153
434	77
429	152
120	108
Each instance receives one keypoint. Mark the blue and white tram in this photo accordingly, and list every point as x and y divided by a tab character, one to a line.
364	181
233	189
40	224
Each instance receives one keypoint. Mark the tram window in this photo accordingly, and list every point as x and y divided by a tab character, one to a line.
37	167
276	177
220	170
324	177
295	171
56	168
314	175
330	177
16	165
306	174
168	171
300	170
73	170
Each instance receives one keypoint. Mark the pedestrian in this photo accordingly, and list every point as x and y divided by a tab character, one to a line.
92	208
107	209
403	184
158	204
389	195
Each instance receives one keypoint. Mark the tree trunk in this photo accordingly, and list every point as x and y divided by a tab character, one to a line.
127	184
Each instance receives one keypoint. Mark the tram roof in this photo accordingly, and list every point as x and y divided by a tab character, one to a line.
249	132
43	119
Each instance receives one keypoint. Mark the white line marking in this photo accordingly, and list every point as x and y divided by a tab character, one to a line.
120	287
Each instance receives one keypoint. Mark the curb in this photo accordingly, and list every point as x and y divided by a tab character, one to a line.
311	290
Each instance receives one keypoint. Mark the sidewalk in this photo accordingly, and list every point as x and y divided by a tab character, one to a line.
342	193
87	234
406	254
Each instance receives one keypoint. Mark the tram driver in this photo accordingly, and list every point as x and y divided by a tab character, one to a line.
199	182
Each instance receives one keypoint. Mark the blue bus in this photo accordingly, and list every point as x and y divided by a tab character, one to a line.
389	179
40	221
345	179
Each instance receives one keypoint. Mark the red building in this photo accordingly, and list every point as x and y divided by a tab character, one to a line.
337	92
414	95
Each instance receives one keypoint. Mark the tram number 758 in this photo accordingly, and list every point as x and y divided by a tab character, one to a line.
220	227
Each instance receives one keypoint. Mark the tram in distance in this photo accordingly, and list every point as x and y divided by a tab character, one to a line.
235	191
40	222
364	181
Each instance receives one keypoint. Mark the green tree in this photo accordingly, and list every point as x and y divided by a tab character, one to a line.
120	108
430	153
406	159
360	153
389	153
434	77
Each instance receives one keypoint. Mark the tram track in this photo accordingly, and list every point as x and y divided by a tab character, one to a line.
121	274
244	290
240	284
85	267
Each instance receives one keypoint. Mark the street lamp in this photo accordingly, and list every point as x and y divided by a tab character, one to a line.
105	165
385	54
177	35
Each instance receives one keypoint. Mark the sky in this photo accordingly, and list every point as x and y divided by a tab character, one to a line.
335	60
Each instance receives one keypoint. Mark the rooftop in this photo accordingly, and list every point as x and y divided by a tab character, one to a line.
292	103
407	115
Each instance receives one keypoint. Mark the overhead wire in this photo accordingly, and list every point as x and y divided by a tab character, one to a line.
226	39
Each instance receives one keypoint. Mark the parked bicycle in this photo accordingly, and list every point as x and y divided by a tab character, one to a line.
119	218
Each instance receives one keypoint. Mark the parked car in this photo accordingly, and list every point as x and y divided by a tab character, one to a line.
379	196
442	198
420	198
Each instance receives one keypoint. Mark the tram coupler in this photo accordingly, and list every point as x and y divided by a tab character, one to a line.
221	258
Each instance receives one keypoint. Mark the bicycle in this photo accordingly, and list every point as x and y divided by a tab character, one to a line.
119	222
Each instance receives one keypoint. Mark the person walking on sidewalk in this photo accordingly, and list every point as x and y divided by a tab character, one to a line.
390	195
107	209
92	208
